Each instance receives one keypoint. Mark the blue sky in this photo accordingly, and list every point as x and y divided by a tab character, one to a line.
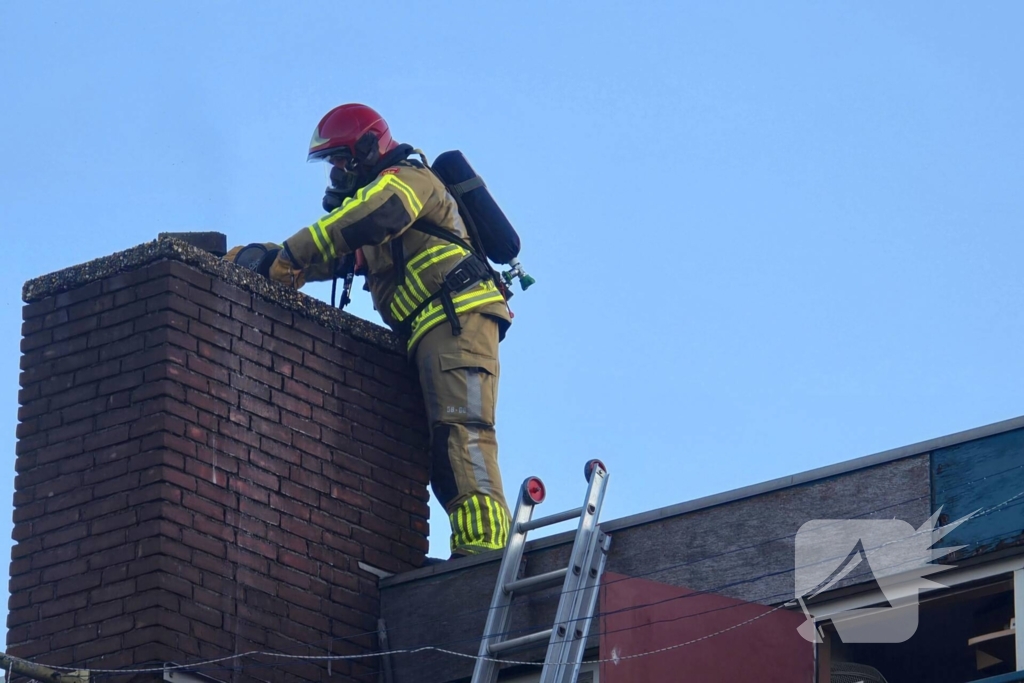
767	236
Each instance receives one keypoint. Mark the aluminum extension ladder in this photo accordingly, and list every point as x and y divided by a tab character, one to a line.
580	583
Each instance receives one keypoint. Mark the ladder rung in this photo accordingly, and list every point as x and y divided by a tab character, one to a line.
536	583
550	519
521	641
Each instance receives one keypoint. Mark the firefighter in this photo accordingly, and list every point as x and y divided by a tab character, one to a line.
431	289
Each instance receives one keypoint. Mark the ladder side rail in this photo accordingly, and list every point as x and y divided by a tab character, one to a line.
499	616
568	605
571	659
557	658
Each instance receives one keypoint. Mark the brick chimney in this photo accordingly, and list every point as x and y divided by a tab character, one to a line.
206	462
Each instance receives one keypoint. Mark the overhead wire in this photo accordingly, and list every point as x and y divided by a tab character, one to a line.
781	606
873	572
716	590
409	651
685	563
196	666
665	568
690	562
552	595
616	658
662	569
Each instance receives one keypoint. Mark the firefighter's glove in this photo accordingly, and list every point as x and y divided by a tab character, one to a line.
232	253
255	257
282	270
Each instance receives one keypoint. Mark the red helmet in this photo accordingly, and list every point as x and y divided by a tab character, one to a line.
353	130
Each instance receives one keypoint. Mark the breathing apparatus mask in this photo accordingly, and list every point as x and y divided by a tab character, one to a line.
349	170
342	174
343	180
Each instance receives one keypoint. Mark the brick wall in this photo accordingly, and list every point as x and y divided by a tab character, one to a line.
200	468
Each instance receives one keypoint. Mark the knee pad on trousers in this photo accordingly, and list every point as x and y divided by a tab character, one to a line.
442	479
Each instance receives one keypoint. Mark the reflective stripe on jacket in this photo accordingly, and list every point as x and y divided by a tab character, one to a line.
381	213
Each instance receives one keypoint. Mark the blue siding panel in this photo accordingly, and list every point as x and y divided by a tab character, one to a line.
977	475
1005	678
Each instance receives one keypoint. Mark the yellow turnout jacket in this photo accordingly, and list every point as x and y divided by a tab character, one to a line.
380	214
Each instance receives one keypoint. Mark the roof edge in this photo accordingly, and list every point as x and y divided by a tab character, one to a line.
817	474
731	496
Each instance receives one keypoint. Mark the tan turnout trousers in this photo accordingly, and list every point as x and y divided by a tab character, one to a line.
459	377
459	374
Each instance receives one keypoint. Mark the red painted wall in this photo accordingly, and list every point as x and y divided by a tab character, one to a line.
642	616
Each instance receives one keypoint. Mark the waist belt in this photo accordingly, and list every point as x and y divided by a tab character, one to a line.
466	273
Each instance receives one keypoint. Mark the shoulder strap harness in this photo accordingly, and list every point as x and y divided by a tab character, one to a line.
469	271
